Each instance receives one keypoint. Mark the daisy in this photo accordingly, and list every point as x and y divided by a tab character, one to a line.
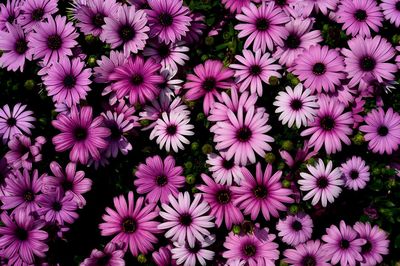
112	255
132	223
187	256
369	56
15	120
168	55
262	193
319	68
196	28
343	245
264	26
57	207
355	173
295	229
309	253
208	79
107	65
169	20
296	106
171	131
127	29
35	11
377	243
306	7
331	126
220	198
302	154
186	220
382	130
23	152
322	183
242	135
224	171
9	12
254	70
391	10
79	131
235	6
159	178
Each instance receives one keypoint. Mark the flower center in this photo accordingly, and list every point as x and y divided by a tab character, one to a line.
249	250
398	5
11	19
228	164
21	234
54	42
354	174
195	249
186	219
209	84
296	104
57	206
161	180
344	244
67	185
383	131
69	81
255	70
126	33
129	226
165	19
262	24
137	79
360	15
244	134
327	123
29	196
37	14
319	69
297	226
292	41
367	247
171	130
115	131
280	2
309	261
260	192
103	260
367	63
223	196
163	50
322	182
98	20
80	133
21	46
11	121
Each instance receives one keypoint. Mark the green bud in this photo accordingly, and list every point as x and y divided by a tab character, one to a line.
325	27
283	263
391	182
358	139
29	84
90	38
376	171
396	39
188	165
190	179
293	209
195	146
226	35
287	145
141	259
311	161
91	61
144	123
294	81
206	149
270	157
273	81
286	183
290	76
42	121
236	229
281	166
191	104
194	190
209	40
200	117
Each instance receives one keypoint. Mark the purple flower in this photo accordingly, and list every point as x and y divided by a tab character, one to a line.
309	253
301	156
35	11
163	256
112	255
235	6
23	153
9	12
15	120
195	29
224	171
295	229
186	255
58	207
391	10
355	173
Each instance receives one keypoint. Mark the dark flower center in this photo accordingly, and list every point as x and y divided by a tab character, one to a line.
344	244
292	41
69	81
29	196
98	20
11	121
129	226
367	247
319	69
244	134
280	2
260	192
262	24
115	131
21	234
354	174
57	206
223	196
161	180
398	5
296	104
195	249
137	79
327	123
80	133
255	70
186	219
249	250
67	185
165	19
209	84
367	63
171	130
360	15
227	164
37	14
163	50
11	19
322	182
383	131
297	226
126	33
54	42
309	261
21	46
103	260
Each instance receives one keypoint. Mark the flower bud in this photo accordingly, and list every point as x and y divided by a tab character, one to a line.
190	179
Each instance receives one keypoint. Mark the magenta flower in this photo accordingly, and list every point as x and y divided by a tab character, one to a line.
169	20
382	130
112	255
132	223
262	193
221	200
22	238
207	80
9	12
343	245
309	253
15	120
158	179
53	39
295	229
186	255
57	207
224	171
79	131
163	256
128	29
331	126
168	55
306	7
322	183
107	65
263	26
186	220
302	155
355	173
32	12
391	10
235	6
23	153
196	28
254	70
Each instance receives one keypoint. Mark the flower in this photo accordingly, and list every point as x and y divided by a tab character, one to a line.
32	12
22	237
163	256
67	81
23	153
169	20
355	173
187	256
186	220
235	6
296	106
79	131
128	28
53	39
15	120
207	80
319	68
343	245
220	198
9	12
159	178
171	131
309	253
195	29
112	255
382	130
295	229
224	171
132	223
359	17
391	10
263	193
302	155
107	65
322	184
264	26
57	207
254	70
331	126
306	7
168	55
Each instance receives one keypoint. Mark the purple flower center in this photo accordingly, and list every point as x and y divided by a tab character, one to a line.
137	79
280	2
260	192
398	5
126	33
292	41
185	219
297	226
69	81
344	244
67	185
227	164
129	226
195	249
103	260
57	206
249	250
21	46
29	196
360	15
37	14
171	130
224	196
296	104
98	20
309	261
115	131
319	69
80	133
367	247
11	121
322	182
161	180
244	134
255	70
327	123
165	19
21	233
383	131
262	24
367	63
54	42
163	50
209	84
354	174
11	18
